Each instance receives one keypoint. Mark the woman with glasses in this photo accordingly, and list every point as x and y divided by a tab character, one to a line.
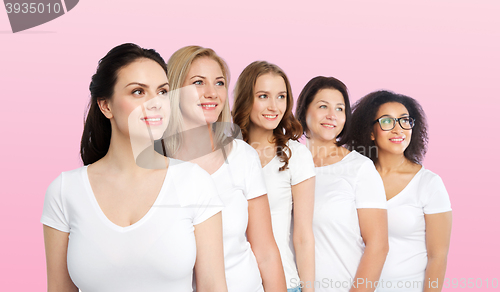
391	130
350	220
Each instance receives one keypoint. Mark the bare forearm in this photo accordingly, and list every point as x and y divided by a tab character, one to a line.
369	269
271	271
434	274
304	252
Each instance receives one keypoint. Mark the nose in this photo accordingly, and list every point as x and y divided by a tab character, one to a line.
331	115
154	103
210	91
397	128
271	104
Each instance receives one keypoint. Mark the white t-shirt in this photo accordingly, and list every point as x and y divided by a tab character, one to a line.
157	253
238	180
407	259
341	189
279	191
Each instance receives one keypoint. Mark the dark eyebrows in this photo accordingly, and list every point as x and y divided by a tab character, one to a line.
144	85
137	83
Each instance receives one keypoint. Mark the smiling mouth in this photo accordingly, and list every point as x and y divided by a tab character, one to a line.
397	140
208	106
330	126
152	121
270	117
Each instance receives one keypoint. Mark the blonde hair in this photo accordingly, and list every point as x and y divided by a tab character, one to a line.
178	66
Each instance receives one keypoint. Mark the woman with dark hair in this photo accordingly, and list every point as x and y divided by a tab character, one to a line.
114	226
350	220
392	130
263	110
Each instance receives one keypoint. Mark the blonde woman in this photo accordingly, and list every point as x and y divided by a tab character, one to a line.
201	112
263	109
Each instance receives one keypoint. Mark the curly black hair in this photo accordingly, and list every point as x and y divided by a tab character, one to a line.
364	113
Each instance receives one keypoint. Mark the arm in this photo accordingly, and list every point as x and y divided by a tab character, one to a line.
56	249
261	238
437	239
303	236
373	225
209	266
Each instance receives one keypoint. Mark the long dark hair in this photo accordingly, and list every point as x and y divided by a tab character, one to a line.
97	129
288	128
364	114
307	96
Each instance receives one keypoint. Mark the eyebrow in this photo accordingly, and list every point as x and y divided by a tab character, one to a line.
263	91
144	85
329	103
203	77
402	115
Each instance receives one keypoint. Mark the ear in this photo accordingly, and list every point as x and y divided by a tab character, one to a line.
372	136
105	107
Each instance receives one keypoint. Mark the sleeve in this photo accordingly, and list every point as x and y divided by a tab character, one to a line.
255	185
369	190
208	202
438	200
301	165
54	214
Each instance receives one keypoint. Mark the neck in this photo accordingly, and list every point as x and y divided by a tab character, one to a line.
322	148
388	162
260	138
196	142
123	155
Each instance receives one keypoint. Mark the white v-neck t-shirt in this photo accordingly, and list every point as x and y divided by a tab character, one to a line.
238	180
157	253
342	188
406	262
279	187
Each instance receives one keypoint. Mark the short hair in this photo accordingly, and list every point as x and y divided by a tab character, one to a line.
364	114
288	128
307	96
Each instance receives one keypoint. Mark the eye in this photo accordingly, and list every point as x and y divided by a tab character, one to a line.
281	96
137	91
220	83
198	82
386	121
323	106
405	120
163	92
339	109
262	96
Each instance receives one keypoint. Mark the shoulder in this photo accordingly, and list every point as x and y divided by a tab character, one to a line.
430	180
298	149
358	161
71	176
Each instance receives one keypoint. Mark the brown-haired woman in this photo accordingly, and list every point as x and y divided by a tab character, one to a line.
263	109
350	220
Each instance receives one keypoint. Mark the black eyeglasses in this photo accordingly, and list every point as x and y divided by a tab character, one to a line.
387	124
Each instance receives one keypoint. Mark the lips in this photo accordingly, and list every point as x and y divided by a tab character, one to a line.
208	106
153	120
270	117
397	140
329	126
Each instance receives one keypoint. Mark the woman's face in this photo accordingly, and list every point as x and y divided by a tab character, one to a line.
394	141
139	106
269	103
204	100
325	116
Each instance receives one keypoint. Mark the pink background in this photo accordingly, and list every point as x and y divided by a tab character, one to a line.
445	54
